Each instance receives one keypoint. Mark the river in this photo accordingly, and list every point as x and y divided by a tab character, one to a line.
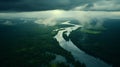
77	53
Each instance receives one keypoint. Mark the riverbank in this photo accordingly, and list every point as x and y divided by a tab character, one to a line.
104	45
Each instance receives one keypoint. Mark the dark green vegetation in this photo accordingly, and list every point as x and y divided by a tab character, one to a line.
31	45
105	45
65	36
76	64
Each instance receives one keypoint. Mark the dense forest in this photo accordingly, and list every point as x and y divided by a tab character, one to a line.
31	45
104	44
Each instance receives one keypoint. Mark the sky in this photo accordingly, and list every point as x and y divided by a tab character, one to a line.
83	11
75	5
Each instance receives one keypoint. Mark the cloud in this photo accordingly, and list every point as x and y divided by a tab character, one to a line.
51	17
103	5
31	5
48	21
106	5
80	7
8	23
40	5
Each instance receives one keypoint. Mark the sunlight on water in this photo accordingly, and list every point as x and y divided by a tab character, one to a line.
78	54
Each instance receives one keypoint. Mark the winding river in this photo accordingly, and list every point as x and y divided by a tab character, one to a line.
78	54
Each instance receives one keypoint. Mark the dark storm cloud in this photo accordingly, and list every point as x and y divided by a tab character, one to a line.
101	5
38	5
33	5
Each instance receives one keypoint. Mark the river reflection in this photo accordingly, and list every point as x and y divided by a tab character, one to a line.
78	54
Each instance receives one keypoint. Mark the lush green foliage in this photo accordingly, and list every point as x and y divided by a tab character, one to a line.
30	45
105	45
